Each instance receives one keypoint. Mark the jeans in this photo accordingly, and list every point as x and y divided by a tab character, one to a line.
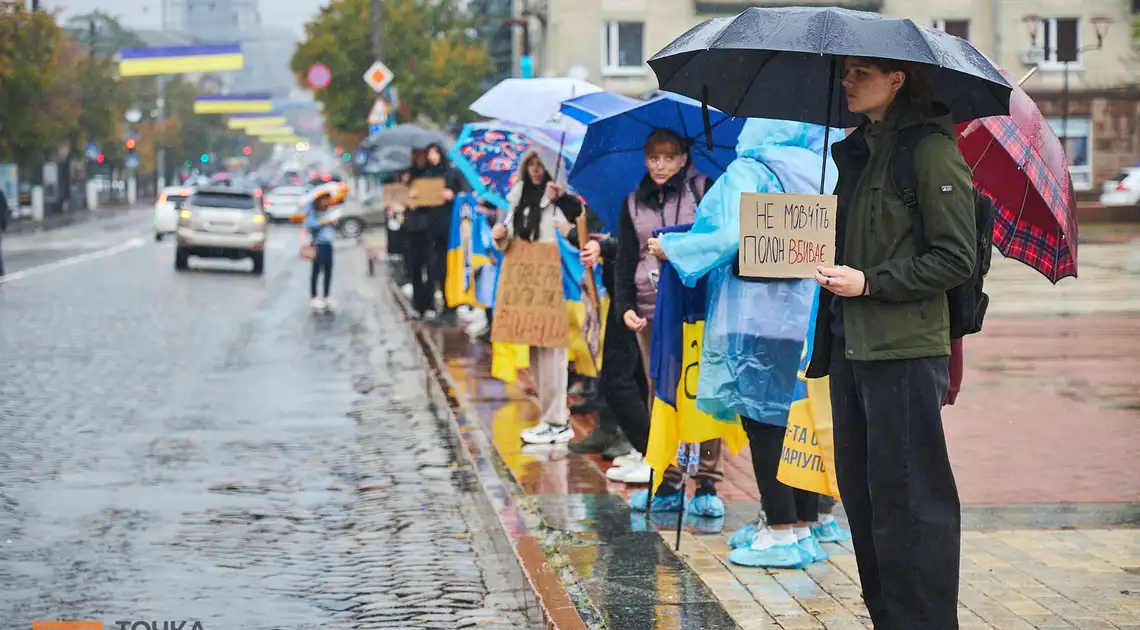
622	385
417	258
782	504
322	266
898	487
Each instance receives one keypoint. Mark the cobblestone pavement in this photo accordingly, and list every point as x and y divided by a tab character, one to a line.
199	446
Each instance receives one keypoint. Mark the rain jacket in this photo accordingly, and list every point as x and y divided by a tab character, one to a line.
905	314
754	330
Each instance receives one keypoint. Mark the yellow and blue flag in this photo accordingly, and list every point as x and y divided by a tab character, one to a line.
587	307
143	62
471	258
678	336
233	104
243	121
808	458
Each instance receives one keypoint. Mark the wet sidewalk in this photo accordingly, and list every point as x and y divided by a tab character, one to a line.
1044	444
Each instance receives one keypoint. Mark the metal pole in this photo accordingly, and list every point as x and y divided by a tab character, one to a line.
526	61
378	29
160	152
1065	110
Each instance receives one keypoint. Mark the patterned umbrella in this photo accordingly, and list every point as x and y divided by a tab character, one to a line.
337	191
1020	164
488	155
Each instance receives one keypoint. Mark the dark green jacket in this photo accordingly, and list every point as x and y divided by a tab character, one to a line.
905	316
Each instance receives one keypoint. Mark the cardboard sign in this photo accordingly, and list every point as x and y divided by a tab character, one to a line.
429	192
530	307
786	235
396	194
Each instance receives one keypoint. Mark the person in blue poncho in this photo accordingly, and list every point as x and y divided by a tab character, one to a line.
751	355
321	228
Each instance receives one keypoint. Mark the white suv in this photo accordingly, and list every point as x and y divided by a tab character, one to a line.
1122	190
221	223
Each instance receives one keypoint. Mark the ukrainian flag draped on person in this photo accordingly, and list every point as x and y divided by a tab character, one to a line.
471	259
587	322
678	336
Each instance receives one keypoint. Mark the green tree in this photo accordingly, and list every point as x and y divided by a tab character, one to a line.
438	66
38	73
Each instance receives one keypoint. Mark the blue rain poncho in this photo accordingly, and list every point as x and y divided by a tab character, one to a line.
754	330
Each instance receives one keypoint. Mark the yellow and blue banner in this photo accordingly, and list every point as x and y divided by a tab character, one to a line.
587	322
471	257
244	121
675	365
269	131
145	62
808	458
233	104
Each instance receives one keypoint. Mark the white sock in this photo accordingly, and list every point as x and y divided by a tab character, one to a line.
784	536
825	519
802	532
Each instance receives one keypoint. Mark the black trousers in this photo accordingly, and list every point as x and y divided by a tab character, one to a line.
437	265
322	266
623	388
782	504
417	259
898	487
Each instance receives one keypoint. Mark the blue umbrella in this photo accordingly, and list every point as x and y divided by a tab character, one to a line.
611	161
590	107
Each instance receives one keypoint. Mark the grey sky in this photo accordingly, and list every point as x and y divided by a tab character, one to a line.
289	14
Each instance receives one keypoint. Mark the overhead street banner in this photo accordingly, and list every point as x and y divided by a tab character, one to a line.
143	62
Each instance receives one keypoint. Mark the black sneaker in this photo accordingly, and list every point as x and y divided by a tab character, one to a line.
596	442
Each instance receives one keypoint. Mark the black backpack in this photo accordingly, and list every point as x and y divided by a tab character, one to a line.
967	302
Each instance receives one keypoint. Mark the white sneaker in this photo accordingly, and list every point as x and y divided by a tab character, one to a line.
543	433
407	290
317	304
430	314
330	305
638	472
632	457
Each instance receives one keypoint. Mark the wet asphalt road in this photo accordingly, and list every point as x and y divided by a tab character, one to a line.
199	446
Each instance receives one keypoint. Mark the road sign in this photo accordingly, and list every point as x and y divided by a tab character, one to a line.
319	76
378	76
132	161
379	113
91	151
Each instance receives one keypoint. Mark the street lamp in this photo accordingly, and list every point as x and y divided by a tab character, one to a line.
1100	24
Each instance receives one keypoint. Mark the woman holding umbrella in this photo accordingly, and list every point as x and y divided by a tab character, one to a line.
883	336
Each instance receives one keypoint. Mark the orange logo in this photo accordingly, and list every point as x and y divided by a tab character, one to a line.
67	625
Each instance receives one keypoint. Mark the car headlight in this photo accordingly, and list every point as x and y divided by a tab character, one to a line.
259	219
184	217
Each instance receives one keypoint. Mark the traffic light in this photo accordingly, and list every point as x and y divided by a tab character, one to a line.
205	158
339	151
99	159
347	157
247	150
131	144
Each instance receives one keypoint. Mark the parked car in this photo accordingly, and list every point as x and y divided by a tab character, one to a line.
166	209
1122	190
282	202
221	222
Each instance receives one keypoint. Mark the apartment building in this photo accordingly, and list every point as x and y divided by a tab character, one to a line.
1098	113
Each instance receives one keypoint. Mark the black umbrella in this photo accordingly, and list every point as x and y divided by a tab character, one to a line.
406	136
781	63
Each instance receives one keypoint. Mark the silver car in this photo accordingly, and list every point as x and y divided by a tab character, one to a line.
284	201
221	222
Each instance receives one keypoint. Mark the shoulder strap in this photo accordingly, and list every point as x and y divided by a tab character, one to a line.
903	177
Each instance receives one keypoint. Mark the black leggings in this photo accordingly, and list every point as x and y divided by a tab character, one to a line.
322	264
783	504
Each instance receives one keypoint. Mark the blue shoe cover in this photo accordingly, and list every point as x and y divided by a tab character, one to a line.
832	532
812	549
707	505
668	503
742	537
776	557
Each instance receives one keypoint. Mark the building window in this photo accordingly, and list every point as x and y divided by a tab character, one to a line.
624	44
1059	40
1076	135
957	28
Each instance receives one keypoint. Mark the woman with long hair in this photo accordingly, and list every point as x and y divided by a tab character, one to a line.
883	336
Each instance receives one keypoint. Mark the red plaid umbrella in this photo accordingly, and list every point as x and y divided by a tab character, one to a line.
1019	163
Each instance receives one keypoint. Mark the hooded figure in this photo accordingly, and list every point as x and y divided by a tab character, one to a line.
537	209
755	330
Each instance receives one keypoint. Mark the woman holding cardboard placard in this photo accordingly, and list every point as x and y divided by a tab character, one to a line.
536	210
883	336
